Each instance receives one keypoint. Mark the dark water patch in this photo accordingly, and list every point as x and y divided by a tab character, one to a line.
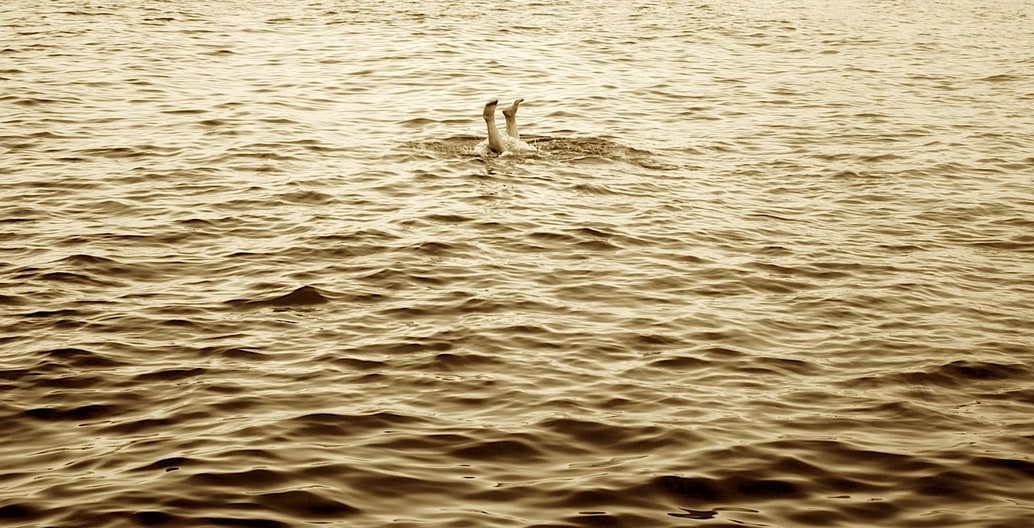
180	323
232	352
618	520
78	358
718	352
91	412
449	218
743	489
302	296
680	363
333	425
184	111
978	370
596	190
157	518
1007	467
78	381
1018	396
386	484
871	510
955	374
432	442
170	374
469	361
308	197
406	346
77	278
655	339
243	522
110	153
87	260
21	512
753	488
437	248
66	312
416	122
305	504
478	305
235	406
1019	243
688	489
516	450
358	363
953	485
870	467
607	436
38	101
1002	77
553	236
702	515
169	464
249	479
16	214
16	374
782	366
146	425
101	265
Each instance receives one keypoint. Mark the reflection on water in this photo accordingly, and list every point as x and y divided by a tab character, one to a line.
770	265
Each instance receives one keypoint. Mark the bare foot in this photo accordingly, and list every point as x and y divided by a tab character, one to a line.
511	111
495	142
490	108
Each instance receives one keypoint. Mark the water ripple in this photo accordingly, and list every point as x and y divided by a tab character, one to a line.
769	265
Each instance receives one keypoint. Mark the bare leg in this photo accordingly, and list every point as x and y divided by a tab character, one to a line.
510	113
494	141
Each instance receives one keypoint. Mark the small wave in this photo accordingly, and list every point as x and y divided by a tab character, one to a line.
83	413
77	358
955	374
303	504
1002	77
302	296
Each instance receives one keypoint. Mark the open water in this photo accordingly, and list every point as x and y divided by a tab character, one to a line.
772	265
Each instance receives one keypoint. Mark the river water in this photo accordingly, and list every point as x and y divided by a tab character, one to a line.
772	264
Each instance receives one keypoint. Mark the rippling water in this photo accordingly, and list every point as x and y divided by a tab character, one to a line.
772	265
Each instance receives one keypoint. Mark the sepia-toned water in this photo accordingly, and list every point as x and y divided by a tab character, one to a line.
772	264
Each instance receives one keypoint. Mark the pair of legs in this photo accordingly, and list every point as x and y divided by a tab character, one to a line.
495	141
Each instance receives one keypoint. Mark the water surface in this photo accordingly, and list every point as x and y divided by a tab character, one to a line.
773	264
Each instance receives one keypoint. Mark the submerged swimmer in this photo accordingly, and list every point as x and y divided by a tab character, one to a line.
496	142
